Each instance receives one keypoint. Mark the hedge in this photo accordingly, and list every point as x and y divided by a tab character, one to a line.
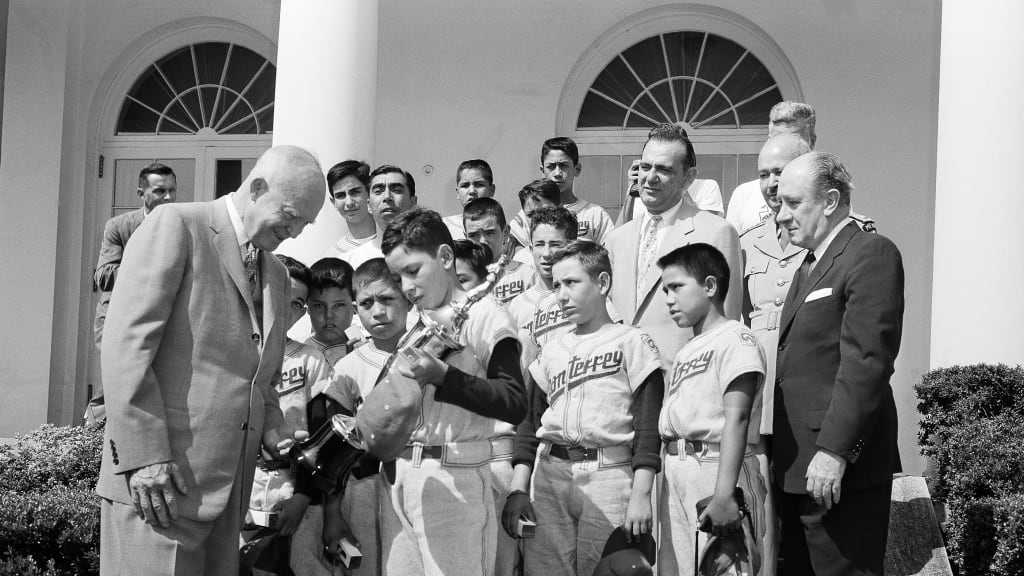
972	427
49	512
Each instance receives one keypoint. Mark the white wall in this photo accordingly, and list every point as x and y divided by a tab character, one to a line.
30	193
460	80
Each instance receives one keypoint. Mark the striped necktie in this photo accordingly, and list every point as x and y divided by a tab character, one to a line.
648	249
251	262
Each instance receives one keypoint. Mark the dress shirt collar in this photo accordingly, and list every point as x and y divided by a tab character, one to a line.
668	217
236	221
820	250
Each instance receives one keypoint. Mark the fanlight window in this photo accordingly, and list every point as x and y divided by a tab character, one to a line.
213	87
698	78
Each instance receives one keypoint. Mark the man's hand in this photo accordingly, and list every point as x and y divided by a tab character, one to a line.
639	516
825	477
278	446
423	367
154	491
633	175
517	506
291	514
723	513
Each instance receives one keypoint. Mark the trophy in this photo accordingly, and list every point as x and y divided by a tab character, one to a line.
391	413
329	454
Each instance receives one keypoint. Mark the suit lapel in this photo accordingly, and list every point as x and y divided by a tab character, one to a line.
799	291
230	256
627	273
675	236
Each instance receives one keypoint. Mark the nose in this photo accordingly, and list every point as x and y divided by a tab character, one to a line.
377	310
773	181
784	215
295	228
407	287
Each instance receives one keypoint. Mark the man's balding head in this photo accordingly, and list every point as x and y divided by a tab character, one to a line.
815	191
793	117
776	153
281	195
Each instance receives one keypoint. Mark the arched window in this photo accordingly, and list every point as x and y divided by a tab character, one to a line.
206	89
709	69
697	78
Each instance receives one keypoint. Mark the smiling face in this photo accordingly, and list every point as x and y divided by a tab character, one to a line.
426	279
389	197
580	297
774	156
159	190
544	242
350	199
487	232
558	167
688	299
663	175
382	310
275	216
330	313
473	184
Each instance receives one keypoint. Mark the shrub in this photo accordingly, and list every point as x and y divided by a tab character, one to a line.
971	426
49	513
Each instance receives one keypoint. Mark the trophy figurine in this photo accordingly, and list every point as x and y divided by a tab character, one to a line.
329	454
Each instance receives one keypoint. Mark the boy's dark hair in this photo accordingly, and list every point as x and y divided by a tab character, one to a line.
296	270
417	229
673	133
375	270
480	208
559	218
341	170
410	183
478	256
700	261
592	256
154	168
331	273
545	189
560	143
476	164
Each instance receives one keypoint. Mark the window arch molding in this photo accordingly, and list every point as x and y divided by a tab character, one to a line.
661	20
153	46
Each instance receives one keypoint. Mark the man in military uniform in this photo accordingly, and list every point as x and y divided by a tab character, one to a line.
770	264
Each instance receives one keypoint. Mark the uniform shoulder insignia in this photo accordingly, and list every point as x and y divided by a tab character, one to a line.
746	338
649	342
866	223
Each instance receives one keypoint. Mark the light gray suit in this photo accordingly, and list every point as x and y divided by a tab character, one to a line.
188	369
692	226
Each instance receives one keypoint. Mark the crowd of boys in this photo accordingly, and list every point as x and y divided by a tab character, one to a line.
604	366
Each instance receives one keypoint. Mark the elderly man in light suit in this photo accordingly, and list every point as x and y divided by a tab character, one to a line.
667	168
193	340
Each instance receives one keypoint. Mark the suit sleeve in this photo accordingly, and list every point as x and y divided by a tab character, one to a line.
273	417
151	275
869	341
111	250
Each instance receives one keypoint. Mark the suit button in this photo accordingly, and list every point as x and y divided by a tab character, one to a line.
780	282
782	347
778	301
255	337
245	425
778	381
782	263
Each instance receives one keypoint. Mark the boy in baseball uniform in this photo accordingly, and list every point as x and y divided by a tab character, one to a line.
710	421
484	222
447	488
382	309
594	406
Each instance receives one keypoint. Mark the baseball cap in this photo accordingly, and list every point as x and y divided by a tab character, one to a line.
621	557
389	415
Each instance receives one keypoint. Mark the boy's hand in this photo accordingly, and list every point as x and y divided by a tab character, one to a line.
278	446
291	514
423	367
723	514
335	528
517	506
639	516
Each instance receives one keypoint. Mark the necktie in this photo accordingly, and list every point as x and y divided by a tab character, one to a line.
804	271
648	248
251	262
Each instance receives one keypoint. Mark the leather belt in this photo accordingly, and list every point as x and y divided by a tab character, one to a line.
574	453
689	446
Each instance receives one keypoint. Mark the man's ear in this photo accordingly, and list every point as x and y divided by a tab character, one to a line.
831	201
258	187
579	168
691	175
412	200
140	191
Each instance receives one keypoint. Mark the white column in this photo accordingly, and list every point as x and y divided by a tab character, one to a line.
30	167
326	95
978	282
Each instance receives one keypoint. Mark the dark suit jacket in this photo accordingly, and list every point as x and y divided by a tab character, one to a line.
840	333
651	313
187	371
116	233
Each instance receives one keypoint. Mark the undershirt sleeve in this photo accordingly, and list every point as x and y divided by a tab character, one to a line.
500	395
645	409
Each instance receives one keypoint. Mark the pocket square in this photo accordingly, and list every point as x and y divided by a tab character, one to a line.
818	295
